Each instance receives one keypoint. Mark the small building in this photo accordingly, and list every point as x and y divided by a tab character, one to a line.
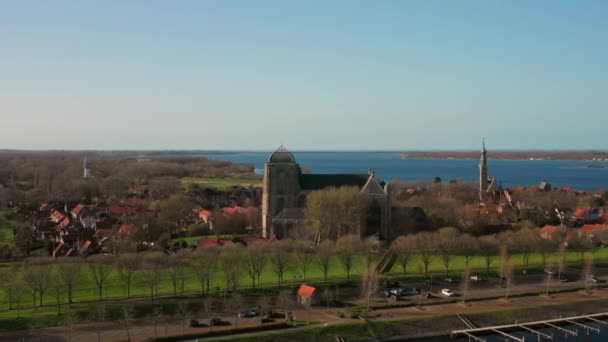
307	295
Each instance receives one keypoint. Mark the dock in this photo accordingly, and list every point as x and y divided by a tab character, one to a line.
581	322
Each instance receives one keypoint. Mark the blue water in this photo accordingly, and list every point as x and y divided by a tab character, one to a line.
389	166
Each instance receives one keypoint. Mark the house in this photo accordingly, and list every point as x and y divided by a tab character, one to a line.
127	229
307	295
77	210
551	232
205	215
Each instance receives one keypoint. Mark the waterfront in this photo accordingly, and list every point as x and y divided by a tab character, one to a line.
389	166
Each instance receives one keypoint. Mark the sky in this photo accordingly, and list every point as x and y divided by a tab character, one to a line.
314	75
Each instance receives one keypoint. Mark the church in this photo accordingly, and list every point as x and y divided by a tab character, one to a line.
286	188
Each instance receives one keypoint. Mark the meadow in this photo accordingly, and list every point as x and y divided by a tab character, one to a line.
220	183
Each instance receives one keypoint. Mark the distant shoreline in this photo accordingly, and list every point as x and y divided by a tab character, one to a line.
591	156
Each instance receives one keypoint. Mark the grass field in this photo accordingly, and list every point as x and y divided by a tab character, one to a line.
6	230
221	183
194	239
114	289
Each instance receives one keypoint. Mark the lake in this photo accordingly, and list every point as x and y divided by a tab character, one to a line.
389	166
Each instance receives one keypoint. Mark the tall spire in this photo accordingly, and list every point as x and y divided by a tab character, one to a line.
483	171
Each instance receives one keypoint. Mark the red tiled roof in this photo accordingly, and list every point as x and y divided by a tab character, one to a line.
234	210
85	246
59	246
306	291
580	212
205	213
77	209
591	228
127	229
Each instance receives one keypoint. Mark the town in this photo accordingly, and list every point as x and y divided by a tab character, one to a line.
276	243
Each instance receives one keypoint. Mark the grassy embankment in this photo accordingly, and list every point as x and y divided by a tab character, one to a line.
221	183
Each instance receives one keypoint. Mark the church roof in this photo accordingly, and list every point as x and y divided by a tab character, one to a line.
281	155
321	181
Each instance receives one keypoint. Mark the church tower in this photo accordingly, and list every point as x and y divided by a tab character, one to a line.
281	187
483	172
87	170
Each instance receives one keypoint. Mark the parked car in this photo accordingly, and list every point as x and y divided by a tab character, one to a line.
592	279
216	321
416	290
249	313
447	292
563	279
475	278
549	272
391	284
449	280
196	324
428	295
397	292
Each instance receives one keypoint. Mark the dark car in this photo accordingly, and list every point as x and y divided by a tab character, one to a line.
563	279
196	324
391	284
216	321
428	295
416	290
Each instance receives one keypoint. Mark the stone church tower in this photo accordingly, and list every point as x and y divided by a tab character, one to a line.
483	172
281	185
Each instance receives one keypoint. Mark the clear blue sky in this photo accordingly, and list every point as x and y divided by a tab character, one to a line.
309	74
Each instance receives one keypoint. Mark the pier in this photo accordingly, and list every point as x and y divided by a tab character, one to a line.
581	322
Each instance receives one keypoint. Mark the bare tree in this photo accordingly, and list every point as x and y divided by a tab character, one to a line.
279	259
176	267
126	319
488	248
183	311
152	271
468	247
98	315
369	283
303	255
446	246
404	247
203	263
347	247
231	261
466	279
255	260
234	306
588	273
548	277
100	269
69	270
325	252
508	274
285	300
126	266
8	277
561	259
36	275
58	289
17	293
426	247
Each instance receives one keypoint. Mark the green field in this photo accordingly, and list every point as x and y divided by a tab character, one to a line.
6	230
221	183
114	289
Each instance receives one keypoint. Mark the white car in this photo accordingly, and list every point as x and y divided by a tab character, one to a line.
447	292
475	278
